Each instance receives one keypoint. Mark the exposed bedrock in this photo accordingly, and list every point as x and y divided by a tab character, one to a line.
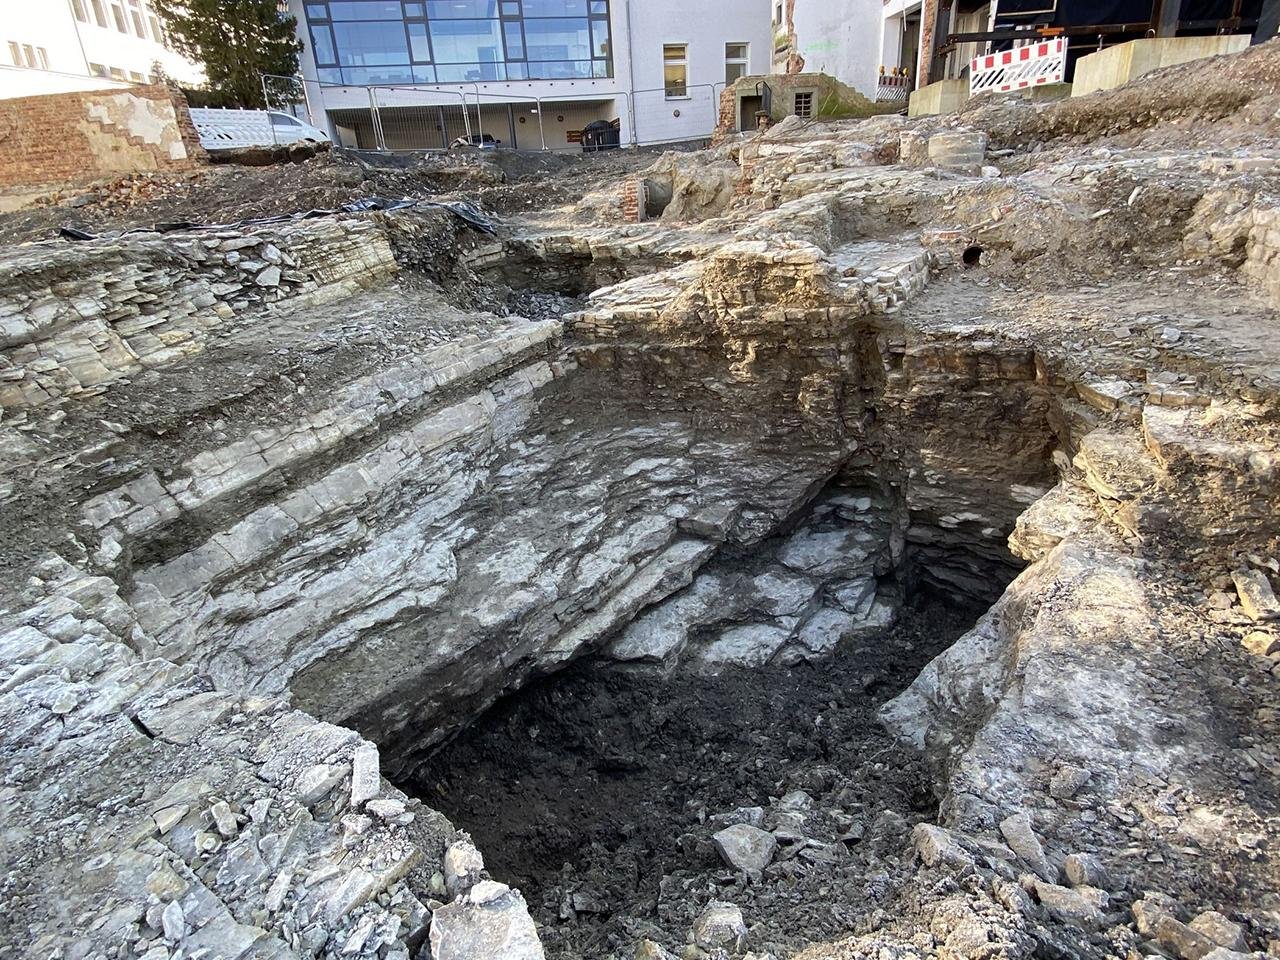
752	426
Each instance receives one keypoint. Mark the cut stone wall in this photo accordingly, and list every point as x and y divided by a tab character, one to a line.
100	133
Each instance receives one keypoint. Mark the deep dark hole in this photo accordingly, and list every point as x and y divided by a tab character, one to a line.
972	256
589	789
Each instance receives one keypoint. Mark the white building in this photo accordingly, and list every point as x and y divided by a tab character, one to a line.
58	46
530	73
841	38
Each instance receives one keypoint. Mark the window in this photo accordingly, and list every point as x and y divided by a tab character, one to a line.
675	69
78	8
135	18
458	41
804	105
735	61
15	54
156	33
136	77
117	14
98	70
43	54
282	120
117	73
99	13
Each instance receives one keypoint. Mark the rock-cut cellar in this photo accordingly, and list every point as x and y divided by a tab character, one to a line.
863	556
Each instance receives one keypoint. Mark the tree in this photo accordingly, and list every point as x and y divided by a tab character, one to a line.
237	41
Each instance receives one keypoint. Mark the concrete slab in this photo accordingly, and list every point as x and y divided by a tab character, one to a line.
944	96
1127	61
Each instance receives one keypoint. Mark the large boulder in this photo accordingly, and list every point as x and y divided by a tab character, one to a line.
492	920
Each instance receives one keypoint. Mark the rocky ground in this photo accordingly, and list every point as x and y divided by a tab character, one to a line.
613	542
601	793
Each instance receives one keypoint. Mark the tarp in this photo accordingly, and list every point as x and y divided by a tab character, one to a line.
465	211
1072	13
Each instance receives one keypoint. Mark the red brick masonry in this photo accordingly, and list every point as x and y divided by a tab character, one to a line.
65	137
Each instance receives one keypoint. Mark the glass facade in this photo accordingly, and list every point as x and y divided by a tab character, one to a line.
458	41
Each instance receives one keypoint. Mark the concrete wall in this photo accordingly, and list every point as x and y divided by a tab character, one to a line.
82	136
841	39
1127	61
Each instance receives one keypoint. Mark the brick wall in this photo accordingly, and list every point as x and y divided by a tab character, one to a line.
67	137
633	200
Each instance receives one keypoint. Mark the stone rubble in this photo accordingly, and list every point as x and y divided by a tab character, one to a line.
853	379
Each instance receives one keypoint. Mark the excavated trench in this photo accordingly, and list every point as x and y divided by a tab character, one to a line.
747	692
820	530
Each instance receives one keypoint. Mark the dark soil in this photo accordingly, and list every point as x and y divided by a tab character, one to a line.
593	792
502	182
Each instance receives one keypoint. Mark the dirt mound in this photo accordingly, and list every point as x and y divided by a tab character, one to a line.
503	181
1229	101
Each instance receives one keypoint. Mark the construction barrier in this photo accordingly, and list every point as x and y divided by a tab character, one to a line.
1033	65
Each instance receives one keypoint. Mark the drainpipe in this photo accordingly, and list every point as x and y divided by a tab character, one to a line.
631	74
75	23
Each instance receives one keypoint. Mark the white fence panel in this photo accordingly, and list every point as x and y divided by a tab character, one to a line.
1033	65
222	129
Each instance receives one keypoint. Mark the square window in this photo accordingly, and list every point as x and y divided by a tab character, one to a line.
117	73
510	8
317	11
136	77
599	8
804	105
415	10
735	51
734	71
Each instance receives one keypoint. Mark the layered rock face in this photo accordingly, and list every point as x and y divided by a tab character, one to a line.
238	487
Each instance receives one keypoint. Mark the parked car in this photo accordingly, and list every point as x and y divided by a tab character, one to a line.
484	141
289	129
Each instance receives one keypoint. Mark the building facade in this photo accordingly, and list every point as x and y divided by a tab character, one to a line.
61	46
414	74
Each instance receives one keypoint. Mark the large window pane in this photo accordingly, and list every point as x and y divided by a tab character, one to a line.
466	41
600	38
366	44
560	70
322	46
330	75
418	45
363	76
555	8
515	43
365	9
423	74
461	9
463	72
557	39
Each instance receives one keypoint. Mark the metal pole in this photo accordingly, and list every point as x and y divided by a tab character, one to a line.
479	119
379	142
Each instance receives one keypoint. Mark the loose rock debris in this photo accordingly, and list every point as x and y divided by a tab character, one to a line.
318	533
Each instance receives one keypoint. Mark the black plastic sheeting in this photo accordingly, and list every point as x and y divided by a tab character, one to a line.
467	212
1070	13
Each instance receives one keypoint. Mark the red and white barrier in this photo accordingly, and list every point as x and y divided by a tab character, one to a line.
1034	65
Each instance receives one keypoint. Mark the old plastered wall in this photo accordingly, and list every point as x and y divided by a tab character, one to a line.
82	136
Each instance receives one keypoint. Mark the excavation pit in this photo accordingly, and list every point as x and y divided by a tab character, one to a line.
598	791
